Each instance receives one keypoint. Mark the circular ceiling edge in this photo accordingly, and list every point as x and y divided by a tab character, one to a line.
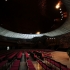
65	28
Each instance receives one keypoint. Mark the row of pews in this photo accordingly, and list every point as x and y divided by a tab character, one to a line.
15	65
49	63
12	59
30	65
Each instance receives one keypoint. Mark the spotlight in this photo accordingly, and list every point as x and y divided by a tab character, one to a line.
5	0
37	32
60	9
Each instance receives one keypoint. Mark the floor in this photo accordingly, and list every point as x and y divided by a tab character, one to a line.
56	55
23	65
61	57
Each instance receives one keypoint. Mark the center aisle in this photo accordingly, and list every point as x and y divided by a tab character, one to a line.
23	65
36	64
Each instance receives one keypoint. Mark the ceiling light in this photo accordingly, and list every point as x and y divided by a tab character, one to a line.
54	38
50	38
62	14
60	9
5	0
37	32
58	5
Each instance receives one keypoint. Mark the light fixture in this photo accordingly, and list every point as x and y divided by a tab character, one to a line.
38	32
50	38
58	5
62	14
5	0
54	38
60	9
8	48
